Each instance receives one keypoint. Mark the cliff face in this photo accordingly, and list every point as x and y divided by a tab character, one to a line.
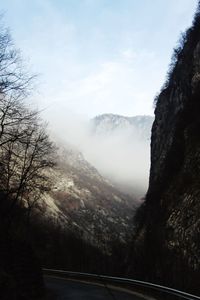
167	238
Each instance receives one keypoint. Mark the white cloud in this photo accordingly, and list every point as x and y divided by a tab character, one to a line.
96	57
112	86
129	54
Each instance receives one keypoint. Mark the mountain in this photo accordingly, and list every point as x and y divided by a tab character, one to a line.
85	218
86	204
85	209
108	124
166	247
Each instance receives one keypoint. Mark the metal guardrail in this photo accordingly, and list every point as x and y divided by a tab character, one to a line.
123	282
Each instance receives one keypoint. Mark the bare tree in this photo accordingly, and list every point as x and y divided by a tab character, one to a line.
25	149
24	163
14	80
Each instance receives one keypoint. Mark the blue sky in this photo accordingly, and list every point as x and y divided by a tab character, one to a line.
97	56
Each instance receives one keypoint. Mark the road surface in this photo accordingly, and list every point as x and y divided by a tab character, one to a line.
65	289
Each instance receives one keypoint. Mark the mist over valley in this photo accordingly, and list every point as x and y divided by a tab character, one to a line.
117	146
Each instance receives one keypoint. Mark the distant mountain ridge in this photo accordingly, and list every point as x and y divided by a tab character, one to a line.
109	123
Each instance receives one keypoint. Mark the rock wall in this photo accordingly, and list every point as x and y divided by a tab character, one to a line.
166	246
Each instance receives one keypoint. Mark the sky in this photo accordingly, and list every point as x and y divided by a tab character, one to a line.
97	56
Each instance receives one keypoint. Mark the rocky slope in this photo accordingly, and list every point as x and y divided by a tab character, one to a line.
86	204
167	240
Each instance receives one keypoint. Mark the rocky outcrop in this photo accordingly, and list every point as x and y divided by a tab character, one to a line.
167	240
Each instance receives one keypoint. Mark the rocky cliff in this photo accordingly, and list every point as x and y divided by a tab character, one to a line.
167	240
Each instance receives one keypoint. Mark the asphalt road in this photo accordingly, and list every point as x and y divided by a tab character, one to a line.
64	289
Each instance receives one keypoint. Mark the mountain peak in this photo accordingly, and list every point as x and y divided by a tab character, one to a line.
109	123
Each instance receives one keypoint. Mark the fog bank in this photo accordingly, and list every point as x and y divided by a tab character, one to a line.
122	156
